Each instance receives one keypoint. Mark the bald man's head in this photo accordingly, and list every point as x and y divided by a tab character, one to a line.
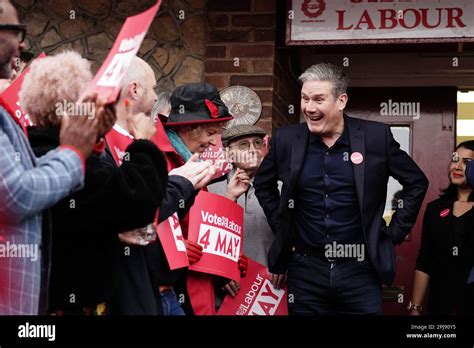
139	86
10	45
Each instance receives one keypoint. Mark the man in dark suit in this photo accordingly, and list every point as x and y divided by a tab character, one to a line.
329	232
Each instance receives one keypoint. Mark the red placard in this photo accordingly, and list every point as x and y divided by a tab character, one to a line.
257	296
9	98
216	223
215	154
109	79
171	238
118	143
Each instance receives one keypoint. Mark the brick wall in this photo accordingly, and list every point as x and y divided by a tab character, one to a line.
286	88
240	48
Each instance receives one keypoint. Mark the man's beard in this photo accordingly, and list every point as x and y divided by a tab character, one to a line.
7	52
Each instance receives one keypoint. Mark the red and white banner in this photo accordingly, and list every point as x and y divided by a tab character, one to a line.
216	223
9	98
257	296
372	21
215	154
171	238
118	142
109	79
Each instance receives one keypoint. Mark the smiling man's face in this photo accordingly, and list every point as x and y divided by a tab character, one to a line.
10	46
322	110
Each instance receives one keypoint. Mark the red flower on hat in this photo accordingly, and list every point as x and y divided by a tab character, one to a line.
212	108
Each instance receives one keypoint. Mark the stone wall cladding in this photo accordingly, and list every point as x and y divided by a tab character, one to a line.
174	46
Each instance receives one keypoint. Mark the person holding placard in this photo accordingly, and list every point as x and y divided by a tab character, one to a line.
30	185
197	117
244	148
86	225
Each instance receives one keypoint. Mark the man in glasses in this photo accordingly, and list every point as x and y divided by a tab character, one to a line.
245	148
12	35
30	185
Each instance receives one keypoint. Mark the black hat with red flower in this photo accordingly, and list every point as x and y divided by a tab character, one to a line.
196	103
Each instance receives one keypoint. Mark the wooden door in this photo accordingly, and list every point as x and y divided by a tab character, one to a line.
423	122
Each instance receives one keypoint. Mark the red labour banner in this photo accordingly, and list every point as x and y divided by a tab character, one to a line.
171	238
109	79
215	154
9	99
118	142
257	296
216	223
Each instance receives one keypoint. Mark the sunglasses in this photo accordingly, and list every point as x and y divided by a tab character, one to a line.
19	28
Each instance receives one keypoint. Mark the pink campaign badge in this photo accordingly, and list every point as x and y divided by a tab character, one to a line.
357	158
444	213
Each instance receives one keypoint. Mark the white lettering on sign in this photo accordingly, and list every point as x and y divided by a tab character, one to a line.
316	20
222	221
177	233
115	72
131	43
261	299
220	242
120	154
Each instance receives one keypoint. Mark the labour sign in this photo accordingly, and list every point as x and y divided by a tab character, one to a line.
257	296
372	21
108	80
215	155
171	238
118	140
9	99
215	223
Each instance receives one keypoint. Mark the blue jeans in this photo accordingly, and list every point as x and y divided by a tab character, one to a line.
170	303
320	287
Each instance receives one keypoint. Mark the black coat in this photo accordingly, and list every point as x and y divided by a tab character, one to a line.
85	245
382	158
447	256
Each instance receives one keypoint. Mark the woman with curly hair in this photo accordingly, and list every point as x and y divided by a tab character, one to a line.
86	225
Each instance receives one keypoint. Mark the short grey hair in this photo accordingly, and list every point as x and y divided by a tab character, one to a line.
162	102
327	72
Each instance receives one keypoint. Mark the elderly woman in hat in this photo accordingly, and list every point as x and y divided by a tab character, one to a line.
86	224
197	118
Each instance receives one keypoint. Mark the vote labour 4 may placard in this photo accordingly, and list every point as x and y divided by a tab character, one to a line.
215	223
108	80
171	238
215	154
9	98
257	296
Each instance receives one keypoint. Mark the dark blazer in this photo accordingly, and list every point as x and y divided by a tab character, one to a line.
470	173
448	289
86	251
382	158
